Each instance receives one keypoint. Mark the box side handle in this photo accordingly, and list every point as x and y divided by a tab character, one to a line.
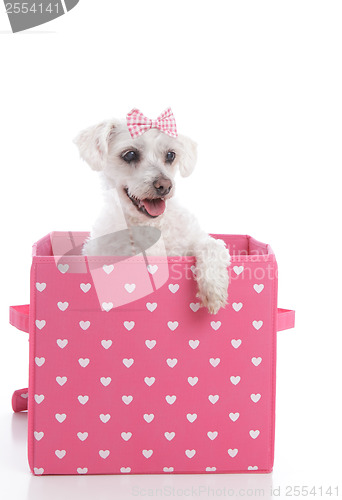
19	400
286	319
19	317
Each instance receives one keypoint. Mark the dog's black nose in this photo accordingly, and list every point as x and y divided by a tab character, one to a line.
162	185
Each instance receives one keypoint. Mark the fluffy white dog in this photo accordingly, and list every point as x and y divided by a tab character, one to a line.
138	175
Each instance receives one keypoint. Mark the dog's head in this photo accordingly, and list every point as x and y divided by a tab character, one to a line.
141	169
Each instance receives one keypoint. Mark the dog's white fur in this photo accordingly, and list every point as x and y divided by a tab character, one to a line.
102	147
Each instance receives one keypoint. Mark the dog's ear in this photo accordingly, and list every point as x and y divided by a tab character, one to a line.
93	143
188	157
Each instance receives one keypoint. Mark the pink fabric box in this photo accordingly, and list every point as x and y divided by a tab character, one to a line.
129	375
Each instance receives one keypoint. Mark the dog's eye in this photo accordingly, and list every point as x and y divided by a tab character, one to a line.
170	156
130	156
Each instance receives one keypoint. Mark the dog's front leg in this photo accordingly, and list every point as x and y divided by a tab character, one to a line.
212	261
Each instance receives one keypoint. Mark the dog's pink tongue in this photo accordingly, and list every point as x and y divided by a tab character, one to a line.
154	207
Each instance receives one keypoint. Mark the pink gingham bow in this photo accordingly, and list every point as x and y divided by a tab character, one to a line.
138	124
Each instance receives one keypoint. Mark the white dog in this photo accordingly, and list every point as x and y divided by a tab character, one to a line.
139	180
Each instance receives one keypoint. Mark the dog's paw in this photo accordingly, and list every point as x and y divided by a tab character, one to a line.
213	298
212	276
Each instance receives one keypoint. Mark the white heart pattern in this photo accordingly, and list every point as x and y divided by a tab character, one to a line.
256	361
212	435
213	398
38	435
151	306
152	269
84	325
61	380
191	417
172	325
236	343
60	417
233	453
150	343
106	344
108	268
126	435
192	380
169	435
127	399
107	306
130	287
62	306
62	343
83	399
238	269
39	361
85	287
237	306
149	381
63	268
84	362
128	362
82	470
257	324
105	381
129	325
234	416
252	354
40	323
172	362
148	417
194	344
173	287
125	470
82	436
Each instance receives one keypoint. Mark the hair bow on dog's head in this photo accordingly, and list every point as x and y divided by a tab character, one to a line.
138	124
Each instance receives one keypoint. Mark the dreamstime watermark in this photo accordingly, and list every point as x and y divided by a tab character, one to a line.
315	491
197	491
181	269
134	271
27	14
139	265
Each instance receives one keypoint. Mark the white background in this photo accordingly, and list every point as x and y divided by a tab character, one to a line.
258	85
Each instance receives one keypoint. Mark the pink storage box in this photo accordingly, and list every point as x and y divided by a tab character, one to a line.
128	375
